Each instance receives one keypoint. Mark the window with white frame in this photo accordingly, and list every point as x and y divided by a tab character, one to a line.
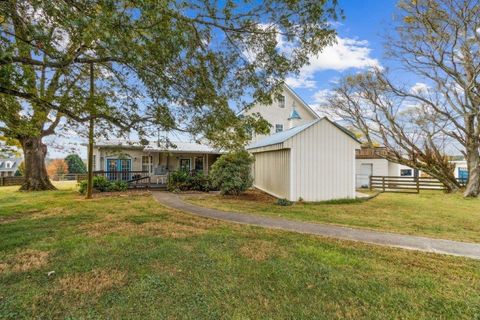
278	128
94	165
147	163
281	101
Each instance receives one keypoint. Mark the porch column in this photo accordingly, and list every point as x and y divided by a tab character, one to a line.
206	163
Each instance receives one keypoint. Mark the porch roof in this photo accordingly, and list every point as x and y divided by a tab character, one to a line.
174	146
181	146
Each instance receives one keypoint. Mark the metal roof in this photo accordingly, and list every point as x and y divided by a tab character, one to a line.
281	136
181	146
287	134
173	146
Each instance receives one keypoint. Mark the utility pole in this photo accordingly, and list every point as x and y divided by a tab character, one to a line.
91	134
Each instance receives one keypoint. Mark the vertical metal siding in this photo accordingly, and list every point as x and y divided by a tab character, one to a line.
272	172
324	158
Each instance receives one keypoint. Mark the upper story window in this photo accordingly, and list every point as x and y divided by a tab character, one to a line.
281	101
406	172
278	128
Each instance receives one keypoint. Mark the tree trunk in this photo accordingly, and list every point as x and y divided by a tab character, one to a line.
36	177
472	188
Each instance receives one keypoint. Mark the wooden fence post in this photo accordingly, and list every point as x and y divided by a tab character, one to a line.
370	183
418	184
383	183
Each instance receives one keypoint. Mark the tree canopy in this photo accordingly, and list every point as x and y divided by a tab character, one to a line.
169	65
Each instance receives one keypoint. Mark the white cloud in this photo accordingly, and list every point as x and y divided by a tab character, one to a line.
346	54
419	87
320	102
300	82
321	97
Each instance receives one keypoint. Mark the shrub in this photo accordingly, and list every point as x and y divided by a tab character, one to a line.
178	181
183	180
118	186
231	173
284	202
102	184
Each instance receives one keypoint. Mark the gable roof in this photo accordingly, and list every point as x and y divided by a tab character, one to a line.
287	134
281	136
309	109
302	102
13	164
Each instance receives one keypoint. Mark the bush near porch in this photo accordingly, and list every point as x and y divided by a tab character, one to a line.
231	173
102	184
183	180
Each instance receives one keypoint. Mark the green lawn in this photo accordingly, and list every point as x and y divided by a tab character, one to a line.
128	257
430	213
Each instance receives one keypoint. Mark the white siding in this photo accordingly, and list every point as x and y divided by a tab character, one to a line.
276	115
272	172
323	163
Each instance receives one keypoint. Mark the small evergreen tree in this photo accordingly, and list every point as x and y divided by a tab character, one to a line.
20	170
231	173
75	164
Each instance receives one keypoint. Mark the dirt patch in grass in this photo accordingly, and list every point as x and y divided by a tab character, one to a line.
163	229
94	282
259	250
26	260
253	195
129	193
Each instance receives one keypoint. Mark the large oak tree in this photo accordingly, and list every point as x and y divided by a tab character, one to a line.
171	64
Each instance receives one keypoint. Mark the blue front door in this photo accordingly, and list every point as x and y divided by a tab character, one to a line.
119	169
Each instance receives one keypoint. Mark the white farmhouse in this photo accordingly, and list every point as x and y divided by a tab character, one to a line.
304	156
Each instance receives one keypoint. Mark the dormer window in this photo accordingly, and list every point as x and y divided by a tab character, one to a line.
278	128
281	101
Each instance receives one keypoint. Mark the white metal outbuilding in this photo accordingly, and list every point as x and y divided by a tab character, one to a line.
314	162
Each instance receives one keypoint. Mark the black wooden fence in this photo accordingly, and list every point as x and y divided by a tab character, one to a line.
11	181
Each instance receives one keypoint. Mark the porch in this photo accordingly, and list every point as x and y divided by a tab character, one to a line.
149	169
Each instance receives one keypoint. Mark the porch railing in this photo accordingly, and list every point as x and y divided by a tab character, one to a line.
123	175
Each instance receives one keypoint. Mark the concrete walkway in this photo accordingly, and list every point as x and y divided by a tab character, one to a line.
456	248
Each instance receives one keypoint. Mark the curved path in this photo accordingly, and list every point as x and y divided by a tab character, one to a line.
456	248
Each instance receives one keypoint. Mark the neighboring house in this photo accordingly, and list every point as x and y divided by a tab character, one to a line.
287	111
8	166
370	162
115	157
314	161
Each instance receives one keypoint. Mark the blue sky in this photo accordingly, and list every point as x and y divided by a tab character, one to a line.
359	46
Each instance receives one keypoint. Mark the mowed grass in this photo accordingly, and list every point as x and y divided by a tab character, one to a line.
128	257
430	213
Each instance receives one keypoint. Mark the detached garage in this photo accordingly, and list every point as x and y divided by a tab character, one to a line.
314	162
